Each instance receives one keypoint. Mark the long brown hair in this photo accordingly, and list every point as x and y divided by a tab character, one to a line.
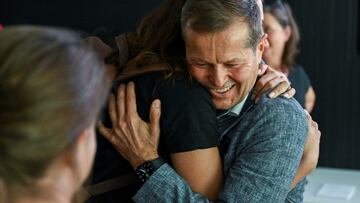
160	33
282	13
157	40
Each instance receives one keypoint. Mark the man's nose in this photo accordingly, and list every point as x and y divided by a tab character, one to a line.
219	76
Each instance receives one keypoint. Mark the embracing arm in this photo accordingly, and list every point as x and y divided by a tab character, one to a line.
202	170
263	167
136	142
276	81
267	158
311	152
191	137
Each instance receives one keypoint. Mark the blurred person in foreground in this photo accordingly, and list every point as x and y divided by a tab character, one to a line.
52	88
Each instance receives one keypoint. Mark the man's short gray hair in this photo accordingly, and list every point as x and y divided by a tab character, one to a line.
210	16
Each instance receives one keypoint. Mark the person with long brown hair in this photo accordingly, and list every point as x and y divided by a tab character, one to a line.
284	36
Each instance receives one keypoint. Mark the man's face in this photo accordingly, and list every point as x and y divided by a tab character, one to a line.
223	63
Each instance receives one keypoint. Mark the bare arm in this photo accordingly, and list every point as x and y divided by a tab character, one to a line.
272	79
202	169
310	99
311	152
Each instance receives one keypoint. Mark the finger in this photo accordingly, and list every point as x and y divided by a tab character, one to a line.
315	125
104	131
309	120
131	100
132	118
277	83
307	114
277	80
112	110
279	89
115	137
262	69
263	80
290	93
155	113
121	103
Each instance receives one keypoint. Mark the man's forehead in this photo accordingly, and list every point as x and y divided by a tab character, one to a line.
237	27
235	36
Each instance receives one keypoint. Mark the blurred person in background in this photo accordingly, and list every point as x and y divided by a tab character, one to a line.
283	37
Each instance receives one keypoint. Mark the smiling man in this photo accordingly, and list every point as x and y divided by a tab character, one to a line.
225	62
261	143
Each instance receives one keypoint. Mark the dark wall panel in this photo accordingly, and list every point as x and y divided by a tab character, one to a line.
117	16
329	55
358	29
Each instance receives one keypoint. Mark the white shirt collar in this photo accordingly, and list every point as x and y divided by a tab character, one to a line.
235	110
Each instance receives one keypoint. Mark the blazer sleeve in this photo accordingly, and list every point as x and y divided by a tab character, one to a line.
165	185
266	160
268	156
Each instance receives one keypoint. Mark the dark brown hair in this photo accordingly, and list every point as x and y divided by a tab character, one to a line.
157	40
160	33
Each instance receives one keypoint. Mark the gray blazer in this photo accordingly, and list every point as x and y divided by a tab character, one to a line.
263	153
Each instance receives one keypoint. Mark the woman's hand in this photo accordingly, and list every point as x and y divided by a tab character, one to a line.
272	79
136	140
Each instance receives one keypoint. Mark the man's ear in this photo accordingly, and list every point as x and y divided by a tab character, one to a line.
266	40
263	44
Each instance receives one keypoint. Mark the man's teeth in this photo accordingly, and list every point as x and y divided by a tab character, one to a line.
222	90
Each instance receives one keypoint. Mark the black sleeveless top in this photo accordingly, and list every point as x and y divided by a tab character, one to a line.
301	82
